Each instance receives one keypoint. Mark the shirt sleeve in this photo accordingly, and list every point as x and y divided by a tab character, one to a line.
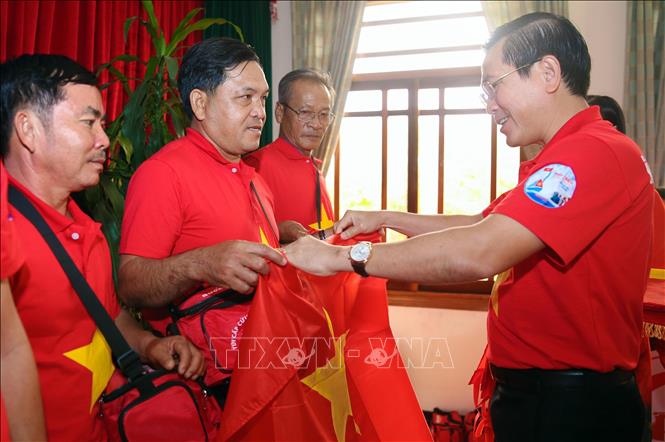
571	198
153	212
11	254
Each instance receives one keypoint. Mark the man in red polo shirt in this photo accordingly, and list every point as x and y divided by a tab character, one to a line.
24	419
53	143
288	166
570	244
195	214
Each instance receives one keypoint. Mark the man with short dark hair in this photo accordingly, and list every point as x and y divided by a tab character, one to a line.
53	143
195	214
304	114
570	244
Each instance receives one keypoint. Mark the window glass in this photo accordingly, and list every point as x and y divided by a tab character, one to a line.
467	164
398	99
415	62
397	168
428	163
428	99
462	98
428	34
360	164
508	163
402	10
362	101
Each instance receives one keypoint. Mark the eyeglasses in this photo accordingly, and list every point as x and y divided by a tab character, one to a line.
304	116
489	89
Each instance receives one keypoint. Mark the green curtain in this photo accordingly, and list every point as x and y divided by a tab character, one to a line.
644	96
253	17
500	12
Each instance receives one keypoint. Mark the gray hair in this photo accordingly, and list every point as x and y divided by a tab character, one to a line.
308	74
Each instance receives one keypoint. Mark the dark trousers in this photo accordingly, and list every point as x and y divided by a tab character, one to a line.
570	406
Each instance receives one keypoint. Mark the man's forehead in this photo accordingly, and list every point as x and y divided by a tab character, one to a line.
83	98
246	77
493	64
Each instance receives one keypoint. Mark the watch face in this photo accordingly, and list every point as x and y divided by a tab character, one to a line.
360	252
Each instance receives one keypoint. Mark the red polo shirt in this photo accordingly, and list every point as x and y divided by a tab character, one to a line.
11	258
189	196
73	363
588	196
292	178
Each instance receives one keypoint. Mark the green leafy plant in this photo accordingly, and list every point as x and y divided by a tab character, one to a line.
152	117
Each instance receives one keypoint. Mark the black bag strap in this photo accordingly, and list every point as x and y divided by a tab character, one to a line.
263	209
127	359
317	196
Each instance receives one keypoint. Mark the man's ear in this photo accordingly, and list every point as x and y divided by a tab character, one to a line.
28	129
198	100
551	73
279	112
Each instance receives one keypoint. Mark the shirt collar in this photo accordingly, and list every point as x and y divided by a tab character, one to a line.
57	221
291	152
579	120
198	140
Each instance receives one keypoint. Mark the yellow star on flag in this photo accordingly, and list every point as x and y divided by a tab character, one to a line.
96	357
326	222
264	238
330	382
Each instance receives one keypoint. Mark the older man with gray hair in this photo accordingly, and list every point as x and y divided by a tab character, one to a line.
302	204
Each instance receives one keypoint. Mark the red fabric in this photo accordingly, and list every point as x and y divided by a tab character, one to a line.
54	317
199	198
580	299
90	32
292	178
12	254
4	424
269	401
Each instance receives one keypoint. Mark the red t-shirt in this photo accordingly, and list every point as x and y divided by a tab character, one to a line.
73	360
187	196
11	258
292	178
578	303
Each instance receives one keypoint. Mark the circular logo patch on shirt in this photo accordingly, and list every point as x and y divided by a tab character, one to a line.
551	186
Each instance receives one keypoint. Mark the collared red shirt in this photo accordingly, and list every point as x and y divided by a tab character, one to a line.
73	360
577	303
188	196
292	178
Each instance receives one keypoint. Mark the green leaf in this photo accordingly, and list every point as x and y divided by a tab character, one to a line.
200	25
150	69
126	145
113	196
185	21
128	23
172	67
153	28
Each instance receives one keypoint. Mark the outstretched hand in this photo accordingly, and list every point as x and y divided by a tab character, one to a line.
237	264
356	222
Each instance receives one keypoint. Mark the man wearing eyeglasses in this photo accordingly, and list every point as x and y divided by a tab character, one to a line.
570	244
302	204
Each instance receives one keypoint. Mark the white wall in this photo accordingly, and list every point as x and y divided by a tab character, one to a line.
281	52
603	25
464	333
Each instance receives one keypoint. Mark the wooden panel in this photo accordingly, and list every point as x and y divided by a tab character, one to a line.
454	301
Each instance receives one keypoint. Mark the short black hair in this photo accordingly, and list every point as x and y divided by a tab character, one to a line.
306	74
36	81
532	36
610	110
205	65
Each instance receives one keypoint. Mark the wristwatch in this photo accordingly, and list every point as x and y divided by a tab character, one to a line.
359	255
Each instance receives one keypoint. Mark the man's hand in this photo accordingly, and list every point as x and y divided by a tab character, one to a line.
290	231
175	351
317	257
236	264
356	222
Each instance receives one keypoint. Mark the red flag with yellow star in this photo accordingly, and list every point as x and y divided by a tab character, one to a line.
318	361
